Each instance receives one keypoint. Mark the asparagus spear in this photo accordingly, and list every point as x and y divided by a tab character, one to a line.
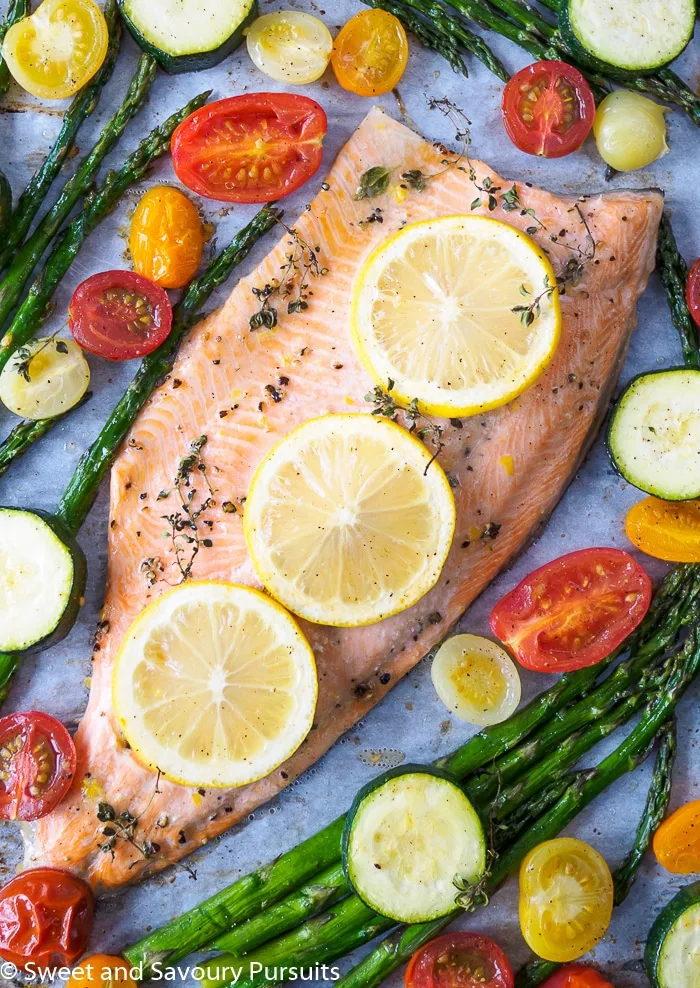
95	209
82	106
657	631
5	204
442	32
322	891
21	438
246	897
27	256
624	876
16	10
565	723
674	274
397	949
27	432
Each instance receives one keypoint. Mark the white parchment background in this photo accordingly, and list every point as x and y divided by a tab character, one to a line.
411	718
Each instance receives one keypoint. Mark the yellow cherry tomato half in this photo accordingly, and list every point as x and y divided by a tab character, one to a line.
166	237
102	971
370	53
476	679
677	841
566	899
290	46
57	49
668	530
44	378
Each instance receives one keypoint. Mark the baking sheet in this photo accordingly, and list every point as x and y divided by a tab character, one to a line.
411	721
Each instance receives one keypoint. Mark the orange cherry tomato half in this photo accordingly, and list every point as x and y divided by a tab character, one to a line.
166	239
548	109
37	765
119	315
459	960
45	917
572	612
677	841
668	530
693	291
370	53
102	971
252	148
576	976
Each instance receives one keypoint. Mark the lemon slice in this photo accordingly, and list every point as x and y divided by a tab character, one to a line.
476	679
439	310
346	521
214	685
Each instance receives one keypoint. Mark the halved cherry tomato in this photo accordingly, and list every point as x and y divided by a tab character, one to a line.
252	148
102	971
53	52
45	917
668	530
572	612
693	291
548	109
166	237
459	960
566	899
119	315
37	765
370	53
576	976
677	841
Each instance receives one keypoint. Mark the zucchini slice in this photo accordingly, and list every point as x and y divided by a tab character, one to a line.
188	35
408	835
673	944
42	580
628	35
654	434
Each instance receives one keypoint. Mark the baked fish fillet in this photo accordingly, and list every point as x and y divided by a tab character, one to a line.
246	389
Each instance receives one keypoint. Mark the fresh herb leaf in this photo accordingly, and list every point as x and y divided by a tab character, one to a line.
373	182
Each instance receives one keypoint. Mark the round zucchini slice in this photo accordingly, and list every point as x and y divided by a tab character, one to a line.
188	35
627	36
408	835
654	434
42	580
673	944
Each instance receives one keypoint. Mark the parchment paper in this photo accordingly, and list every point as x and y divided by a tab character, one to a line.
411	719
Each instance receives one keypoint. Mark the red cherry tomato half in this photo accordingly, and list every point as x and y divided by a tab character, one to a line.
693	291
119	315
459	960
45	917
576	976
252	148
548	109
574	611
37	765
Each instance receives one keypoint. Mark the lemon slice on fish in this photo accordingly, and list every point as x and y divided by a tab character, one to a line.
348	521
461	313
214	685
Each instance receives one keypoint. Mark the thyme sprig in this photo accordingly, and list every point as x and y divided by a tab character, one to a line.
184	524
123	826
27	353
428	432
528	313
301	262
